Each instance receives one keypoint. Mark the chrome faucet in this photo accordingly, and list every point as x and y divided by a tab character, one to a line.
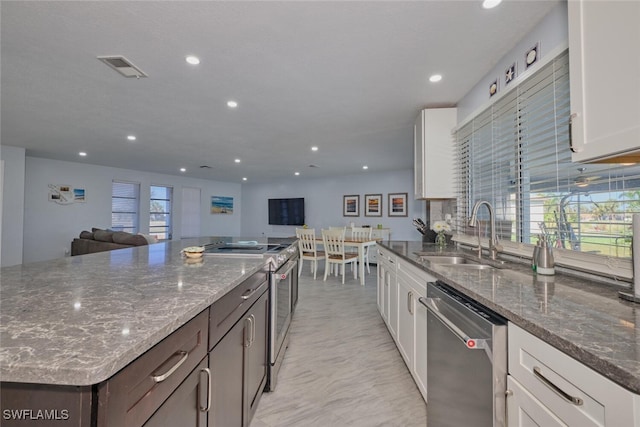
494	246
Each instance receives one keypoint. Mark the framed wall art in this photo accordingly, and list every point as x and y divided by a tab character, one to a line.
398	204
373	205
221	205
351	205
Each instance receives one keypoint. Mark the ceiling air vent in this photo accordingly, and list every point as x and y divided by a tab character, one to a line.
123	66
205	167
314	166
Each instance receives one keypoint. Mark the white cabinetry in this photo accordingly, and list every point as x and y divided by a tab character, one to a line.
433	154
388	289
383	234
548	388
412	321
605	79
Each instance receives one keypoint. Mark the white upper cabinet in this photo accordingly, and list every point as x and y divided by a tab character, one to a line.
604	38
433	154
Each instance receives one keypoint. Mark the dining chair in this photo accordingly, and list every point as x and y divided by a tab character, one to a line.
334	248
362	233
309	249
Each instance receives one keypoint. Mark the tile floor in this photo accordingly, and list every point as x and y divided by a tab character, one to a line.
342	368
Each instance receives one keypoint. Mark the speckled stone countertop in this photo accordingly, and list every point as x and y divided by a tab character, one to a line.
582	318
78	320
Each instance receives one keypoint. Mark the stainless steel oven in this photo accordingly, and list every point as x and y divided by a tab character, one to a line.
284	283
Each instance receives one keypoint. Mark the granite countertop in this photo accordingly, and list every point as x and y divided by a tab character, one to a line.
578	316
78	320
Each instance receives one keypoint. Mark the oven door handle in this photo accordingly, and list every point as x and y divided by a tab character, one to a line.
470	343
288	267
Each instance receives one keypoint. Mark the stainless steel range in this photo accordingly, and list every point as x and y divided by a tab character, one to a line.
283	287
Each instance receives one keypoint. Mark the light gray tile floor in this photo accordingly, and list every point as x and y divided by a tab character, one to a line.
342	368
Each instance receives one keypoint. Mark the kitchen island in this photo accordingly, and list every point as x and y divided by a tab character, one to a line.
74	323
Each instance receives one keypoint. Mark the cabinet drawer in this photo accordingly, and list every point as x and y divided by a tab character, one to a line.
415	277
227	310
131	396
573	392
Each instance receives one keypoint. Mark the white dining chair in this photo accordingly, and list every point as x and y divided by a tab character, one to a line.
362	233
334	248
309	249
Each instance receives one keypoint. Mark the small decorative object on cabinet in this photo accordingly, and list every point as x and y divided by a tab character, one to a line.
604	123
433	154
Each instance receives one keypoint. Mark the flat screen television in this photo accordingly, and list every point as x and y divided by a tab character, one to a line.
286	211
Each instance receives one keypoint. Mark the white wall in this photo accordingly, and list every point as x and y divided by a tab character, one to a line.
12	205
49	228
551	32
323	203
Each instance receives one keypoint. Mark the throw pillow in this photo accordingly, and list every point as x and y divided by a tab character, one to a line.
103	235
150	239
125	238
86	235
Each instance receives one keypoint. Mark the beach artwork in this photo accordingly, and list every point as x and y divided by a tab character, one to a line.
221	205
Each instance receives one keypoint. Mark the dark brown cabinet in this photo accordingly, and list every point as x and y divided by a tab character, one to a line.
238	366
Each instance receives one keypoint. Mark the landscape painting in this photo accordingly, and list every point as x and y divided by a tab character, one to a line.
221	205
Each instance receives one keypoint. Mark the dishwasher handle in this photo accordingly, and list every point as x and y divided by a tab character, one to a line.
470	343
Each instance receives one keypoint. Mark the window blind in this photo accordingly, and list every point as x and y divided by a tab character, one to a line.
125	199
515	154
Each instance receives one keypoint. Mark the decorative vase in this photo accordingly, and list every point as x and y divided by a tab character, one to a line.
441	239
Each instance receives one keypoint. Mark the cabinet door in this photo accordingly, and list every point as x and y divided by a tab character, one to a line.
256	355
382	289
420	362
406	328
524	410
186	407
227	365
392	304
603	39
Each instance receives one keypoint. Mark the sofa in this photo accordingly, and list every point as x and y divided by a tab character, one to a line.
98	240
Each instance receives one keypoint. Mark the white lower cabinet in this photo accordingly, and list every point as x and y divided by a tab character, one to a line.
407	318
548	388
387	289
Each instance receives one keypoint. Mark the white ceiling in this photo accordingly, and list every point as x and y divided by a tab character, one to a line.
349	77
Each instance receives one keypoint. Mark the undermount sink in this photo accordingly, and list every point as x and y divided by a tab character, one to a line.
457	262
441	259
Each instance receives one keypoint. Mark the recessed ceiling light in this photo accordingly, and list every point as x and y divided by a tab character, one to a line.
183	169
365	167
237	160
244	178
490	4
82	154
314	148
296	173
193	60
232	104
435	78
131	137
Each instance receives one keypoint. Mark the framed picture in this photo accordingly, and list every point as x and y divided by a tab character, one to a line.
351	205
398	204
373	205
221	205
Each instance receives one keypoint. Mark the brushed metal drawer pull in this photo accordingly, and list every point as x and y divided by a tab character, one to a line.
248	293
208	372
183	356
575	400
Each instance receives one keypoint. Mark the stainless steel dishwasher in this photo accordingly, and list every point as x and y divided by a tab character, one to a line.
466	361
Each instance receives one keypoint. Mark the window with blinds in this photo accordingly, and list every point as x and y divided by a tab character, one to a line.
515	154
125	199
160	212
